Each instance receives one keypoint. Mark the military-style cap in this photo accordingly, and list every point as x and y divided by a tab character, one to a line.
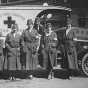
14	26
29	22
37	19
48	25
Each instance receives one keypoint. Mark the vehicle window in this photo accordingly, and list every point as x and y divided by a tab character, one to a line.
54	16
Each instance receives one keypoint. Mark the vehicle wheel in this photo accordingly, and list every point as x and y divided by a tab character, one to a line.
85	65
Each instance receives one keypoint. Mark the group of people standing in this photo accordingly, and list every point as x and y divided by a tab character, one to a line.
22	52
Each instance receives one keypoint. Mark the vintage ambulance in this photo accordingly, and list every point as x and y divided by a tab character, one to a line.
57	15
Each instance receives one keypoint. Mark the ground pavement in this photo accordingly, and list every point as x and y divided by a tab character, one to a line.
42	82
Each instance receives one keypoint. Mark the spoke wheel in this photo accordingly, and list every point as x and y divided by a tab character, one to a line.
85	64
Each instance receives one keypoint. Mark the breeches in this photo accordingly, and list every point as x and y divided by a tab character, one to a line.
49	58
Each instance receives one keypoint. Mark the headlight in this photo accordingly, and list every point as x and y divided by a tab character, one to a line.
85	47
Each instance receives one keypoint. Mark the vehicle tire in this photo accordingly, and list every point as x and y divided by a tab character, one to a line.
85	65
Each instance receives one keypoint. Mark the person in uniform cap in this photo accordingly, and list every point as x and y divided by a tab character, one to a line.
40	29
71	49
23	55
29	22
12	43
49	51
29	44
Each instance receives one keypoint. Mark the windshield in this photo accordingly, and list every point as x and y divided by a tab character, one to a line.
54	16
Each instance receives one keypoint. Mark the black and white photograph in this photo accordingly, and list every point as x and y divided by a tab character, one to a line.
43	44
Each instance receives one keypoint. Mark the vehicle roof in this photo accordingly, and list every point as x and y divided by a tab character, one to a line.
40	7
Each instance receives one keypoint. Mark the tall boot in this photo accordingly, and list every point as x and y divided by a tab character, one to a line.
50	75
30	76
13	75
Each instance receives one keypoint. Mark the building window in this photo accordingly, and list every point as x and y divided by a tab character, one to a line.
82	22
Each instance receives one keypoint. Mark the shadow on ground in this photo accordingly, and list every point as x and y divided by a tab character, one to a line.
39	73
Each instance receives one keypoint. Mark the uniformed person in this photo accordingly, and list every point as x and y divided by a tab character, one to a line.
40	29
29	42
71	50
49	51
13	51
